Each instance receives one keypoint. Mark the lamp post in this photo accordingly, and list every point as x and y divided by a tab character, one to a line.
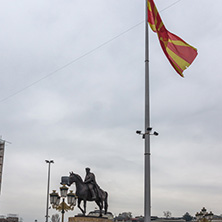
47	201
63	207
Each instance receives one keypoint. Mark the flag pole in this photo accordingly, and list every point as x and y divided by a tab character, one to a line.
147	183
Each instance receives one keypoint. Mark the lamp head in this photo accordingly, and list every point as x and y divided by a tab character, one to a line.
64	190
155	133
149	129
49	161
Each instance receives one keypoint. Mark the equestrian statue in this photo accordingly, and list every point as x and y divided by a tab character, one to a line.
89	190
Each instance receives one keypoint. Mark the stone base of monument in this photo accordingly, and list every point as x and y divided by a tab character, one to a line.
89	219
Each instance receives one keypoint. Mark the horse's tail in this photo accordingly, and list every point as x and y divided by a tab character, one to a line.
106	202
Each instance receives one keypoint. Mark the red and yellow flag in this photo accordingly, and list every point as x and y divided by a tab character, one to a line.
179	53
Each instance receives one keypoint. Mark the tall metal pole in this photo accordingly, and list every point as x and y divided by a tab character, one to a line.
47	202
147	183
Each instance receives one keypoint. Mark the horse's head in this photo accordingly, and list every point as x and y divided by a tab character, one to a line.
74	178
71	178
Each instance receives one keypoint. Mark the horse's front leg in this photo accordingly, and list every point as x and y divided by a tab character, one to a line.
79	206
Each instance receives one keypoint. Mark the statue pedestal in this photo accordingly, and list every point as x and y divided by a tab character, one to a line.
89	219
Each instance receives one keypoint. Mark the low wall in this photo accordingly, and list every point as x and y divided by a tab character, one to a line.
89	219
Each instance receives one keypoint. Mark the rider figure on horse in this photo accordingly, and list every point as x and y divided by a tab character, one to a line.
91	181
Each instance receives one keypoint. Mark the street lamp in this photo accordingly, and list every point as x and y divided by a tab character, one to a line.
47	202
62	207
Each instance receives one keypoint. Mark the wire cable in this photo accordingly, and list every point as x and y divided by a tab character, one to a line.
80	57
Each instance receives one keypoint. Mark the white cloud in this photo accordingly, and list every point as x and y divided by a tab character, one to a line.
86	113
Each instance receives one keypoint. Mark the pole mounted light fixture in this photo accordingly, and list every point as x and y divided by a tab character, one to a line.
149	132
49	161
62	207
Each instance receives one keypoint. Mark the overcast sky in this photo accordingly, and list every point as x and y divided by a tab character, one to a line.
72	90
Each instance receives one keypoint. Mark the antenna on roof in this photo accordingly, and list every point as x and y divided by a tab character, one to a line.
1	140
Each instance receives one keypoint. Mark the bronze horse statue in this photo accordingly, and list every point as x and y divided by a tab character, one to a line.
83	193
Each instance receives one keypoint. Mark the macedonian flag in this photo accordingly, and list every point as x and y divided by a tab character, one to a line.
179	53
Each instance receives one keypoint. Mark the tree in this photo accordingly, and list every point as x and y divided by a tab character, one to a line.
55	218
125	216
187	217
167	214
